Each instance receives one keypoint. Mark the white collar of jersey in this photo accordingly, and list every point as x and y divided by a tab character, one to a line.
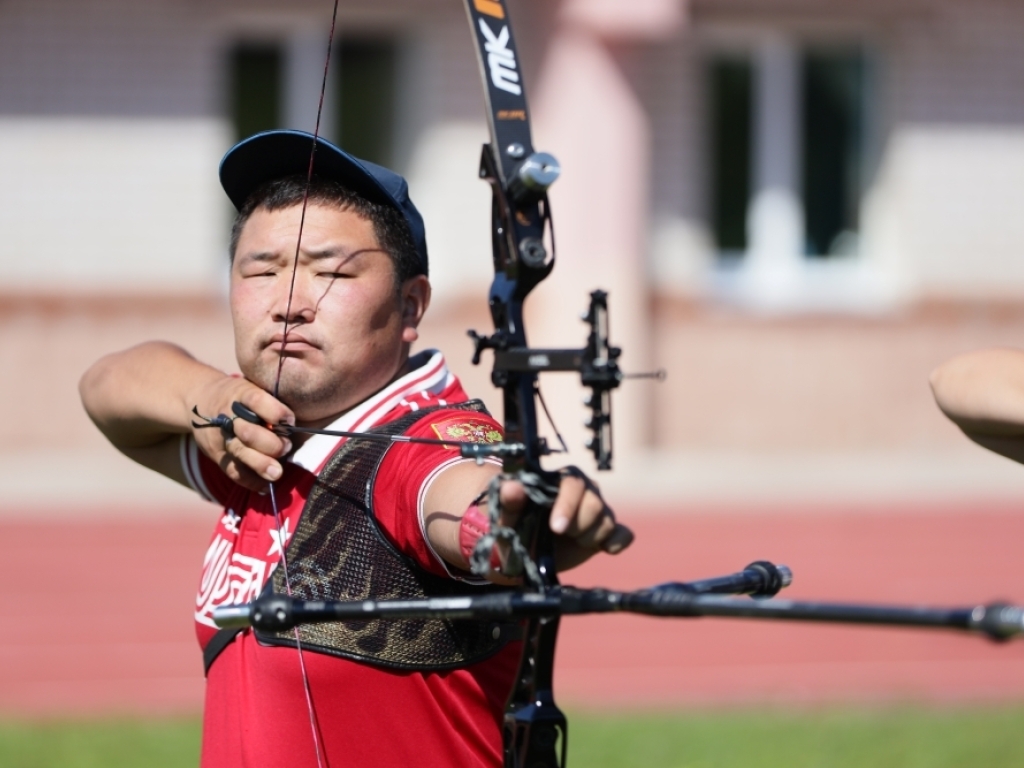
429	375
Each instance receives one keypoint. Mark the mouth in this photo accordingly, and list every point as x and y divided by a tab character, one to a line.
293	343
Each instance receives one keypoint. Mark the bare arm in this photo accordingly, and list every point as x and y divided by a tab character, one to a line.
141	399
983	394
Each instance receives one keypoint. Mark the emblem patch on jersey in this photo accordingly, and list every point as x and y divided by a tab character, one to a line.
459	429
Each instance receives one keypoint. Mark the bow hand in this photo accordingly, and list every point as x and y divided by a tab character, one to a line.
582	522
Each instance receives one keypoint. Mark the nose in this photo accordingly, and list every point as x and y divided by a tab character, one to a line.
295	303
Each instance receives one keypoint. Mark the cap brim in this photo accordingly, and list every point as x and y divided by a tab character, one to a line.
273	155
276	154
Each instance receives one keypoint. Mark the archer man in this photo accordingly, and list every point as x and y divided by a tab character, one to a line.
323	328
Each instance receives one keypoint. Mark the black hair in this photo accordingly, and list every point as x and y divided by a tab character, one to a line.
389	225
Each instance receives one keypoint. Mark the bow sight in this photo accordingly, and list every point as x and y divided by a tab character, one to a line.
596	363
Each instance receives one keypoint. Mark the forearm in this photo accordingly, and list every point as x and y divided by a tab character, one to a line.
446	503
983	393
141	396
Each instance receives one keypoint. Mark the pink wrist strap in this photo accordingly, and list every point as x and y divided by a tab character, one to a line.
473	526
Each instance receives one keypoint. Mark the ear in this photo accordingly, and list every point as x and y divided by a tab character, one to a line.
415	297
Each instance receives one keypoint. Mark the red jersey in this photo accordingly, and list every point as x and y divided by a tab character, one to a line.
256	712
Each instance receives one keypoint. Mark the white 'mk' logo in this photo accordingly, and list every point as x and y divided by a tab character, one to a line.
500	59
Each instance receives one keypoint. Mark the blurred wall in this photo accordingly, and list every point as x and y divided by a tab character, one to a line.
804	378
944	148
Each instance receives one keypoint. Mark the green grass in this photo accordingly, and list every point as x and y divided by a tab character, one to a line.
840	738
169	743
910	737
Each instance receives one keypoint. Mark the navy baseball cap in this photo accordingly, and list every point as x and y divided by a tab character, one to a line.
276	154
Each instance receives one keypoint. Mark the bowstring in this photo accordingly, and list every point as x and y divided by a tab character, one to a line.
314	725
313	722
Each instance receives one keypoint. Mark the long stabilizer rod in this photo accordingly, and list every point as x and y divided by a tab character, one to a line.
998	621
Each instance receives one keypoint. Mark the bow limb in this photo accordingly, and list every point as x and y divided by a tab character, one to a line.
534	727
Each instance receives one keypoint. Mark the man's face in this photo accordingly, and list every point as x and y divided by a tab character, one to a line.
349	328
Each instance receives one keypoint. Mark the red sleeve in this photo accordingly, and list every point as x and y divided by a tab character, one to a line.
408	469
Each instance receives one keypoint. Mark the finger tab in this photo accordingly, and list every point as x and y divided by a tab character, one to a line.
246	414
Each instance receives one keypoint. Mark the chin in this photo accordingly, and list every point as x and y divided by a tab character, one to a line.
310	400
261	373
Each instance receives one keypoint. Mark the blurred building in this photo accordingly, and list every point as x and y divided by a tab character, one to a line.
800	208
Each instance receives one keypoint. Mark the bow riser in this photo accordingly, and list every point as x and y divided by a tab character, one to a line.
534	726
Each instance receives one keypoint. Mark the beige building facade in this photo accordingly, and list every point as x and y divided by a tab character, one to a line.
799	208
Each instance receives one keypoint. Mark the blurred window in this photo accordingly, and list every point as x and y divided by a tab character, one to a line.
829	150
832	104
256	92
359	106
730	112
365	84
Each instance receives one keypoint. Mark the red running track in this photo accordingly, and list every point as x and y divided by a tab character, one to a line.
97	614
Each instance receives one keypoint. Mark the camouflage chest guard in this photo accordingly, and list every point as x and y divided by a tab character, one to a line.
339	552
